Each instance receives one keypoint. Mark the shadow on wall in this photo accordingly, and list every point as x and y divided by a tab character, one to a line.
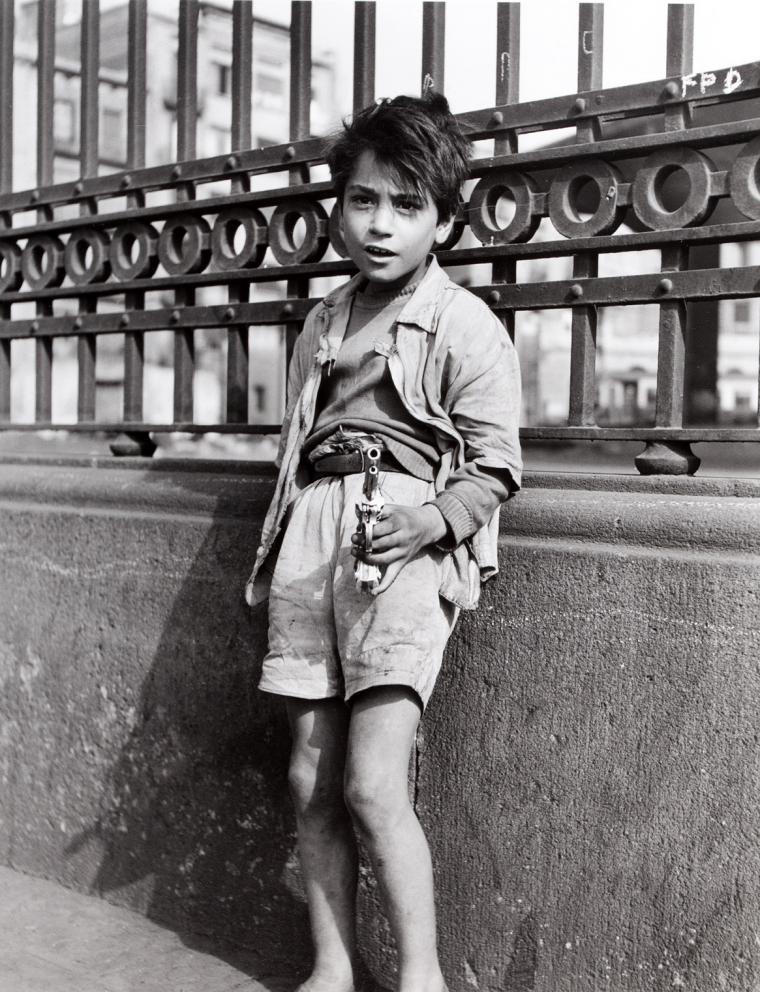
195	826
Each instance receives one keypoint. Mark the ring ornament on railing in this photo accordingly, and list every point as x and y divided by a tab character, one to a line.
133	252
86	257
184	244
250	255
481	210
42	261
646	192
742	183
11	276
564	192
282	227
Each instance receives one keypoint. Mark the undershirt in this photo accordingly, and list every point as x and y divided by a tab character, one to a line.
357	392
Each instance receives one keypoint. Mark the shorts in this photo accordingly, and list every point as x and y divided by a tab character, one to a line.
326	638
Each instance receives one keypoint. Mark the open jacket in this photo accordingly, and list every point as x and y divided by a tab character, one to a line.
456	371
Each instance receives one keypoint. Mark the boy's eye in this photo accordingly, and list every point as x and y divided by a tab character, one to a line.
361	199
407	204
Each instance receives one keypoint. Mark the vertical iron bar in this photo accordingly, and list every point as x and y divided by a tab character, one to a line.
507	92
242	74
6	179
586	265
90	62
88	167
45	102
364	53
433	45
300	103
672	334
6	104
134	342
187	114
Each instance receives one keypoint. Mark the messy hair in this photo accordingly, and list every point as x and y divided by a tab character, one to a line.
418	139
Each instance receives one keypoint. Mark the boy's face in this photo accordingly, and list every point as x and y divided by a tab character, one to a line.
388	231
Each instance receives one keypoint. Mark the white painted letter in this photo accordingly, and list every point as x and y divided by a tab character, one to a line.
686	82
732	81
706	80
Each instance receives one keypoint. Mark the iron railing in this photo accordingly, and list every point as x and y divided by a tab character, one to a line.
629	140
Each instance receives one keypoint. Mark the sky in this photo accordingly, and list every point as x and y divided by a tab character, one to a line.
727	32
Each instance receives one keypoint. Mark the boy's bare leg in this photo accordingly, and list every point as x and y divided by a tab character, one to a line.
383	724
326	841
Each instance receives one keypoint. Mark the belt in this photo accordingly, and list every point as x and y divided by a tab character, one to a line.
352	461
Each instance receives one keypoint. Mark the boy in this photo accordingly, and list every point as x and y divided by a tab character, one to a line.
403	359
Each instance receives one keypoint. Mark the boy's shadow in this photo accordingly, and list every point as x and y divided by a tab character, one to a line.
195	826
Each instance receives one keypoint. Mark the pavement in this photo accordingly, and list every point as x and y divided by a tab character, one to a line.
56	940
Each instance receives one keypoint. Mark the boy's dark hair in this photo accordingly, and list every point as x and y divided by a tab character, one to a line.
419	139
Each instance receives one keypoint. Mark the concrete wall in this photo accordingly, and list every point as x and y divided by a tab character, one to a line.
587	770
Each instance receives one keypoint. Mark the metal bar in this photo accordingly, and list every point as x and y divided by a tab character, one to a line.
507	92
300	70
364	53
86	354
184	367
584	319
237	337
433	45
137	40
90	61
137	45
45	90
43	379
300	103
680	57
5	380
134	365
242	73
187	79
6	88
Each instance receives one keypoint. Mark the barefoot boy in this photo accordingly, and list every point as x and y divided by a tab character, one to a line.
403	359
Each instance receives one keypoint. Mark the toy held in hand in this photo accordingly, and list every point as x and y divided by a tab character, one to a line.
368	510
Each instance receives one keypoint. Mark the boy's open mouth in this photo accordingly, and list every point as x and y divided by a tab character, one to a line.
380	252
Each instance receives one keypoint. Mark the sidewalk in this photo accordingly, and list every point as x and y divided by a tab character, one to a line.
55	940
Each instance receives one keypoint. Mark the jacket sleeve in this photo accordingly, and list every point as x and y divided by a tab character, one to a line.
482	398
300	362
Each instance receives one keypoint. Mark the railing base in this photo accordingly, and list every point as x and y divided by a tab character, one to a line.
133	444
667	458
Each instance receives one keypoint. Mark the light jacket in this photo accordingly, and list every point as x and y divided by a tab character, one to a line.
456	371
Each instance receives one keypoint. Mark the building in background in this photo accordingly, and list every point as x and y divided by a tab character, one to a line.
270	123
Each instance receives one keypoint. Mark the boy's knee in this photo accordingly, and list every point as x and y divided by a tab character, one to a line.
372	802
315	791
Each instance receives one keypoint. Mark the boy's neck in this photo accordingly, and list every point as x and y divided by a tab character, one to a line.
390	290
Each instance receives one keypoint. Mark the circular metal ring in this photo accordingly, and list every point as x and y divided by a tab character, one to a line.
647	184
11	275
133	251
223	250
42	261
79	269
743	180
184	244
481	210
336	238
564	193
282	227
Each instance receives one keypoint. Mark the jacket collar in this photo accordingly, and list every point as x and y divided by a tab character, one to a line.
422	306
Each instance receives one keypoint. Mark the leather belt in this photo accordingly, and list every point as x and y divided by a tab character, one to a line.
352	461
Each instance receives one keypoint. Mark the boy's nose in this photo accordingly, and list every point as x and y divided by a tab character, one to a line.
381	220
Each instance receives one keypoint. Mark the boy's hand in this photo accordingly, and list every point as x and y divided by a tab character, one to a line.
399	535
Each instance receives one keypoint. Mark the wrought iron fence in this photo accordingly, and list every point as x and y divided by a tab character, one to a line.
629	141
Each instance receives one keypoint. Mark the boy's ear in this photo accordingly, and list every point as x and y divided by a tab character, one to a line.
443	230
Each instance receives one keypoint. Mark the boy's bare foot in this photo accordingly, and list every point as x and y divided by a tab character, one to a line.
333	981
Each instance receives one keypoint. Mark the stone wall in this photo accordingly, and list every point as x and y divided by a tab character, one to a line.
587	770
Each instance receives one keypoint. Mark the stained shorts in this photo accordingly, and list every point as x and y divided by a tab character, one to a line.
326	638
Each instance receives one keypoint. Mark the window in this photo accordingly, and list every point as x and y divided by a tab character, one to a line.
223	76
269	90
742	311
260	398
112	136
742	402
64	121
